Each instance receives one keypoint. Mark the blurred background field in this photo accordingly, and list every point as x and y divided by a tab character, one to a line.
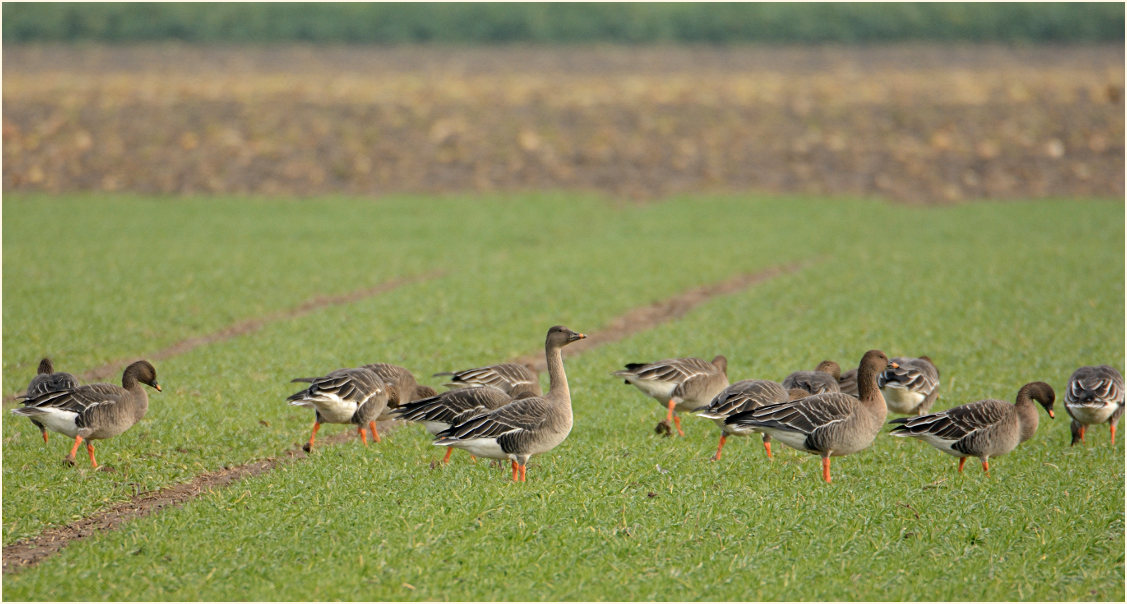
940	102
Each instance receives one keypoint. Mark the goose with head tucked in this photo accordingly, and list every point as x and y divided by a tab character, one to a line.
822	379
344	396
95	411
830	424
911	388
524	427
515	379
983	429
745	395
1094	396
683	384
47	380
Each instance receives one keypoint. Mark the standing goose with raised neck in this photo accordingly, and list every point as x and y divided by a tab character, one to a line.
47	380
684	384
745	395
515	379
95	411
983	429
345	396
442	411
831	424
1094	396
911	388
822	379
524	427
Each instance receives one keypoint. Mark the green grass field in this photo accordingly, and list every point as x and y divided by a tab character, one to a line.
998	294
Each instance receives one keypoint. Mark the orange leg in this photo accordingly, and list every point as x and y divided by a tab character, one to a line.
826	469
1083	427
90	450
677	422
767	445
522	468
516	472
74	449
723	437
962	460
1112	435
45	435
372	427
446	459
669	416
986	466
312	437
363	435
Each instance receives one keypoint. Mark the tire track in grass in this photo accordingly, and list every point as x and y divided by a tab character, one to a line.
30	551
247	326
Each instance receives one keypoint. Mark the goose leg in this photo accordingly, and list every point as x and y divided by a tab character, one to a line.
1112	435
767	444
1083	427
962	460
90	450
826	468
446	459
372	427
516	471
986	465
309	445
69	459
43	429
723	437
522	468
677	422
363	435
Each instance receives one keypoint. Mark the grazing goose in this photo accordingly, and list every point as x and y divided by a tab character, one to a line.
96	411
685	384
1094	396
830	424
742	396
912	387
47	380
512	378
524	427
848	382
984	429
345	396
822	379
441	411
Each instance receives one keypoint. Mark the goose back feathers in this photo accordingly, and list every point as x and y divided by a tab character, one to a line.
514	379
683	384
1094	396
822	379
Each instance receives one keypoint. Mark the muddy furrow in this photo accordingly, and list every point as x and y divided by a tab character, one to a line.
28	552
249	326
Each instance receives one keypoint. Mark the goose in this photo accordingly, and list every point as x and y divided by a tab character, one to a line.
441	411
984	429
512	378
822	379
47	380
830	424
1094	396
847	383
684	384
524	427
95	411
911	388
344	396
398	381
742	396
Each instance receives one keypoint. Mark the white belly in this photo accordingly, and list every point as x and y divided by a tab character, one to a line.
900	399
482	447
1088	414
336	411
59	420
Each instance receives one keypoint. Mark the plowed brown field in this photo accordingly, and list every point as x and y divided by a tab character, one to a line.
919	124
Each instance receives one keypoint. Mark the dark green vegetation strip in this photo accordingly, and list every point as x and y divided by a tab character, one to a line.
998	294
490	23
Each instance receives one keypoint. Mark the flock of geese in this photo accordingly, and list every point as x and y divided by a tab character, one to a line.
500	412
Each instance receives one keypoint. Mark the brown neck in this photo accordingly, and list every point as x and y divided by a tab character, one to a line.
867	385
557	379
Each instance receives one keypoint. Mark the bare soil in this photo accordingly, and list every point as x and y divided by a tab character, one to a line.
925	124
